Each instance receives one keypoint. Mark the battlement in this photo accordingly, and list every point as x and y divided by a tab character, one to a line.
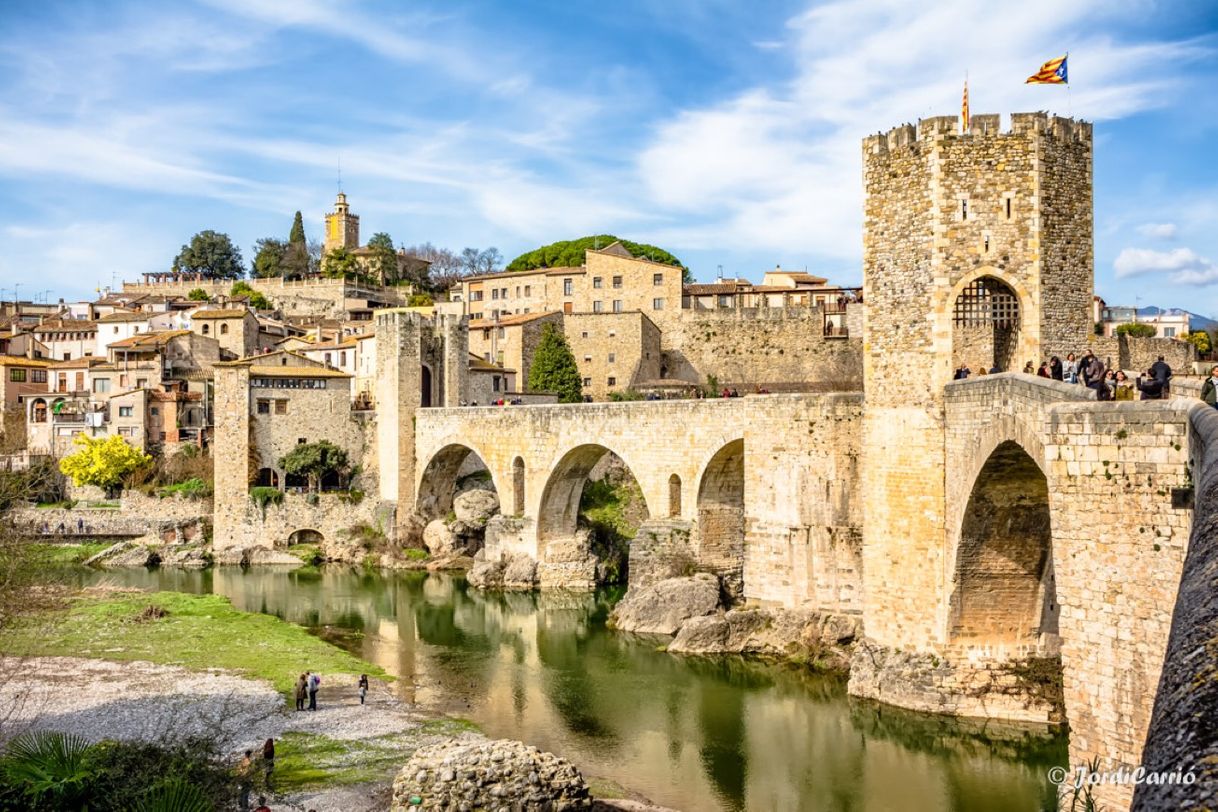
987	125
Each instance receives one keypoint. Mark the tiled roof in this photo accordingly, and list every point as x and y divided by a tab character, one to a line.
296	372
65	325
148	341
78	363
219	314
21	361
510	321
123	317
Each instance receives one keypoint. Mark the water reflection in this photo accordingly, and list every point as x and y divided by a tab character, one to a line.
694	734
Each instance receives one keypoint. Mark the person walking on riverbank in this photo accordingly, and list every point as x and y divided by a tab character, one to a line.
244	768
363	687
302	692
268	761
314	685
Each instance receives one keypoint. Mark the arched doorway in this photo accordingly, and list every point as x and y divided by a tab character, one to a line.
453	467
518	487
267	478
38	413
721	516
674	496
985	326
425	386
305	536
1005	602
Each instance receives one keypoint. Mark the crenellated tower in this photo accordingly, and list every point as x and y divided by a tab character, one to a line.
342	227
977	250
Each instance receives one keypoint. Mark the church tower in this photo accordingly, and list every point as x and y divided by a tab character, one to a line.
342	227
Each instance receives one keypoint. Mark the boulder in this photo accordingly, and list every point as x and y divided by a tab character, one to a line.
569	563
701	635
773	632
664	606
519	572
514	571
493	775
475	507
249	556
439	539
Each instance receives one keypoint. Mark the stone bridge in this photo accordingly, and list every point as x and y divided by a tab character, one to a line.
757	487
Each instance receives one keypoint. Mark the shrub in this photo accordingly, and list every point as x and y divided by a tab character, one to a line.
263	496
193	488
103	462
625	395
198	295
1136	330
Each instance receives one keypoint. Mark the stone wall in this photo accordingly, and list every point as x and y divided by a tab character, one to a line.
770	347
244	524
620	347
1135	355
305	297
1183	732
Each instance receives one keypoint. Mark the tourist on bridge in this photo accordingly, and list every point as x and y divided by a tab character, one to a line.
1162	373
1043	372
1122	389
1092	375
1209	389
962	372
1070	370
1152	389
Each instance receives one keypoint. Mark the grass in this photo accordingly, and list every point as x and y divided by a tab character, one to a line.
59	554
193	488
199	632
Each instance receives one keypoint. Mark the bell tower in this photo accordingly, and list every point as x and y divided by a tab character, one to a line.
342	227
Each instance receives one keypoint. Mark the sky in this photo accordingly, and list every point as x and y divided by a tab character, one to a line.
726	132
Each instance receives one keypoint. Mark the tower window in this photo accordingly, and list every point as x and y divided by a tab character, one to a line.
987	243
964	209
1008	205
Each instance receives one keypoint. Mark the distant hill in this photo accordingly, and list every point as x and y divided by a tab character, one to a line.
1195	320
570	253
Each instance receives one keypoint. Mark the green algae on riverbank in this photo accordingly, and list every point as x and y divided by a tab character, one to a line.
199	632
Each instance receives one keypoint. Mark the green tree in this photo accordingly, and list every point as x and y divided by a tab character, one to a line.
554	369
340	264
314	461
1201	340
1136	330
212	255
257	300
297	234
384	261
198	295
420	300
570	253
268	258
103	461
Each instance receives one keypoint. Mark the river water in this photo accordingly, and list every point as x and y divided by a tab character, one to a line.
690	733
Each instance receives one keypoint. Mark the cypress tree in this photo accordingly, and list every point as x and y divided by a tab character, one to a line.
554	368
297	235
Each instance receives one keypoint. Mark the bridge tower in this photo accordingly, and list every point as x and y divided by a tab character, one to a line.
977	250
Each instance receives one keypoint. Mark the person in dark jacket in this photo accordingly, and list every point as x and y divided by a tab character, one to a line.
1055	368
1093	375
1209	389
1150	387
1162	373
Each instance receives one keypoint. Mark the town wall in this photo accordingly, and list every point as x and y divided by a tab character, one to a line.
778	349
1135	355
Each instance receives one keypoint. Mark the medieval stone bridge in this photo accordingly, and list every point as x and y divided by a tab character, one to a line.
1053	526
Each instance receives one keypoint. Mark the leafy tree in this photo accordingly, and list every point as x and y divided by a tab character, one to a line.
198	295
268	258
211	254
340	264
384	260
1136	330
570	253
1201	340
315	461
554	369
420	300
103	461
257	300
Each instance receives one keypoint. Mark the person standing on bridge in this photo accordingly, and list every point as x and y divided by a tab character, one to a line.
1070	371
1055	368
1209	389
1162	373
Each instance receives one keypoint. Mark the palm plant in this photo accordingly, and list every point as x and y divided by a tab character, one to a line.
49	767
175	795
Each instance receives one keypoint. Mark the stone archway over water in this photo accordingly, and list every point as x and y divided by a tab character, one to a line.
721	516
443	477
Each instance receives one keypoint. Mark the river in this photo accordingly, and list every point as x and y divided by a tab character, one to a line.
691	733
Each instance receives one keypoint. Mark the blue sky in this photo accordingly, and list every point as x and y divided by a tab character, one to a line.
727	132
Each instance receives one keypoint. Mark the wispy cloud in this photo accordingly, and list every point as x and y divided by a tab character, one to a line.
1161	231
1182	266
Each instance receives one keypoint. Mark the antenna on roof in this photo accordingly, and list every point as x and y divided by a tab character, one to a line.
719	277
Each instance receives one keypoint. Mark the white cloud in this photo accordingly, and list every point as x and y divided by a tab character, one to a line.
1181	265
779	166
1161	231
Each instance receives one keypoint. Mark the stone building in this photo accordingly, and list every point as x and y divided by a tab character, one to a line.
510	341
66	339
236	329
614	351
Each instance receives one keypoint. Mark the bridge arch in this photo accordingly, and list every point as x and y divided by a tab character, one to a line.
1003	600
442	475
558	509
720	511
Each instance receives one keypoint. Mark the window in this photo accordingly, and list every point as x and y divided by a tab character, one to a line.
503	332
342	358
612	381
38	375
613	333
584	334
1008	205
495	382
528	290
475	295
617	305
101	385
612	357
617	281
154	411
301	440
125	431
264	407
1169	332
67	356
568	287
657	279
518	291
657	304
587	381
223	329
596	282
587	359
281	407
326	356
125	411
16	375
206	328
122	381
116	330
494	293
597	306
964	209
141	383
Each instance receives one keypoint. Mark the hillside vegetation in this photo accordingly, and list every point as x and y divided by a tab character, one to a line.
570	253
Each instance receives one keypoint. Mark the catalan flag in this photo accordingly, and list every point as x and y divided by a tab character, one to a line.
964	109
1052	72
